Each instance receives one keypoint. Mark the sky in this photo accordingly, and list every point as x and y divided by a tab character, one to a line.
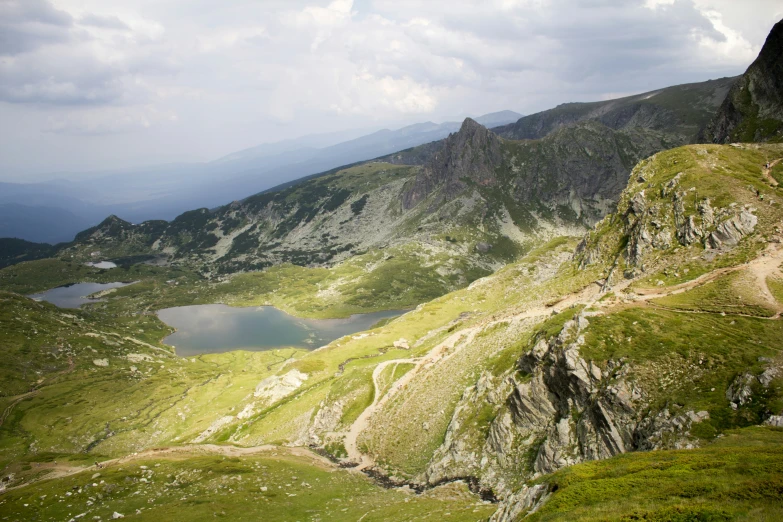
90	85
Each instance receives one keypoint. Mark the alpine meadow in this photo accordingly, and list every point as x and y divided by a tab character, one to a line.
576	315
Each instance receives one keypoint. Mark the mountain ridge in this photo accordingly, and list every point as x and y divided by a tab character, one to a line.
752	110
166	191
591	330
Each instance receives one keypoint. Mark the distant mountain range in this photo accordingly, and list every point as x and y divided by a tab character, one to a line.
555	172
55	211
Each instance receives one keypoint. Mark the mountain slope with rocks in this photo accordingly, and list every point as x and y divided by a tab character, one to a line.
480	201
581	338
753	109
477	189
679	111
573	353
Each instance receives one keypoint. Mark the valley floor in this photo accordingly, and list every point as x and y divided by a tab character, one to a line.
207	481
542	385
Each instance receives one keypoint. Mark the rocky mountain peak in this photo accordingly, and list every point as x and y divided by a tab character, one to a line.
471	125
113	220
472	154
753	109
112	226
769	57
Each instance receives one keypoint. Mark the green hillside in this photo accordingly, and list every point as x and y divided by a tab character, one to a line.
591	330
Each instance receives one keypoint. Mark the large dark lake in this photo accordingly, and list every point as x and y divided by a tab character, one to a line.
73	296
219	328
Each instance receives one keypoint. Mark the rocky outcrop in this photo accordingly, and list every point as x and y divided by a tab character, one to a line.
467	454
746	385
729	232
753	108
775	421
326	420
116	230
524	502
276	387
659	218
473	153
555	410
578	412
213	428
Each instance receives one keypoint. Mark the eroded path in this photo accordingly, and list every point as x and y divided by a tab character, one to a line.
452	342
441	352
767	172
188	450
763	267
766	265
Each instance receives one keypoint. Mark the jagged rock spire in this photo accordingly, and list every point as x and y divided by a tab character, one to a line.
472	153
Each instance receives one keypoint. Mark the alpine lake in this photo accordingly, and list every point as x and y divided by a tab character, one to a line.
217	328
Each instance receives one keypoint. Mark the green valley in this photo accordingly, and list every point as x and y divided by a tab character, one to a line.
591	331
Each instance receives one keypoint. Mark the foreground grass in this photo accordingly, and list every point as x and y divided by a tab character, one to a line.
735	293
738	477
271	486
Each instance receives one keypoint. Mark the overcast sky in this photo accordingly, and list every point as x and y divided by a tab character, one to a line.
97	84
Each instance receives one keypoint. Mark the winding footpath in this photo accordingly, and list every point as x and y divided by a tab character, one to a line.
442	351
765	265
768	172
64	470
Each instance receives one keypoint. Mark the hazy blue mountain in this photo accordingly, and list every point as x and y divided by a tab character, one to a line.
58	209
312	141
39	224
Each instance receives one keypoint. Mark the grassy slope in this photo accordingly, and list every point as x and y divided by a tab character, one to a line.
216	386
738	477
220	381
661	345
687	361
77	404
725	175
274	487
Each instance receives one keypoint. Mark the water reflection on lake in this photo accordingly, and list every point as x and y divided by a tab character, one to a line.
75	295
220	328
103	265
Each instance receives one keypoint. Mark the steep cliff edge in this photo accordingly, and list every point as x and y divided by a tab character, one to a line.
753	109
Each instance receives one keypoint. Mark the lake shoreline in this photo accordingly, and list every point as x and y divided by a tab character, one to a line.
220	328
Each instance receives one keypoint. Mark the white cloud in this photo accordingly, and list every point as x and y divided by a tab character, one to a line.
368	94
226	38
730	47
656	4
213	77
108	120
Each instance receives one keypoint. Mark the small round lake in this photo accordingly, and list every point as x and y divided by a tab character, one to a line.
219	328
103	265
75	295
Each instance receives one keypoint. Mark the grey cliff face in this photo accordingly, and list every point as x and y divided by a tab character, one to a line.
753	109
557	409
472	153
